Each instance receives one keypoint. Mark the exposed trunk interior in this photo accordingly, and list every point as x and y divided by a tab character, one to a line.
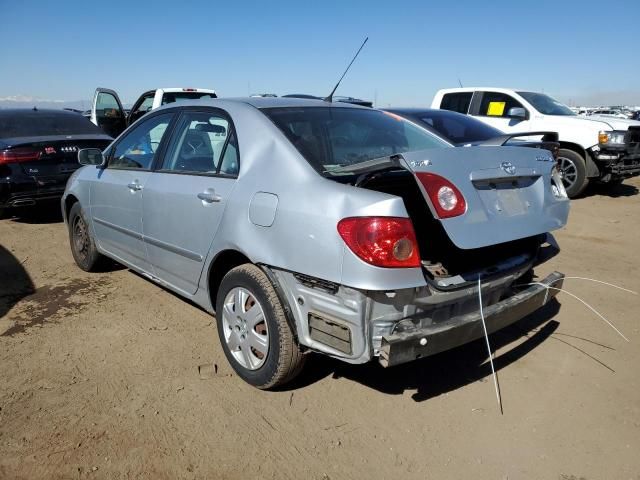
434	243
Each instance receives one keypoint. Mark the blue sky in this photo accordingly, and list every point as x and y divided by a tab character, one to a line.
578	51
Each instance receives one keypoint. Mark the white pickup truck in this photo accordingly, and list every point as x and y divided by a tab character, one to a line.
606	150
107	111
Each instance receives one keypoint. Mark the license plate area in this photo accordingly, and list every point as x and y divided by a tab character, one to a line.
507	196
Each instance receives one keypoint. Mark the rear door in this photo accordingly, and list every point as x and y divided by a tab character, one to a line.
116	194
507	191
107	112
493	109
184	199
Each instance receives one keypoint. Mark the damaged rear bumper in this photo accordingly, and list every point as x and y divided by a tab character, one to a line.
415	342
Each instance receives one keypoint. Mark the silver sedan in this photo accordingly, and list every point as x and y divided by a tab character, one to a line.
311	226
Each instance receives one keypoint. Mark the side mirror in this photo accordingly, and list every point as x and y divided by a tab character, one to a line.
517	112
91	156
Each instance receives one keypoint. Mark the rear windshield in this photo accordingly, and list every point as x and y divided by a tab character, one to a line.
330	137
458	128
39	123
171	97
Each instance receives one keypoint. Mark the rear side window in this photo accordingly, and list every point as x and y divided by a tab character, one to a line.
30	123
204	143
138	147
456	102
494	104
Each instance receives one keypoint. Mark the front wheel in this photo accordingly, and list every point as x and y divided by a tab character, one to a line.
253	329
83	247
573	170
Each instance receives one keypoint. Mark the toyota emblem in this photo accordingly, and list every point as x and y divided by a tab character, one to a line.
508	167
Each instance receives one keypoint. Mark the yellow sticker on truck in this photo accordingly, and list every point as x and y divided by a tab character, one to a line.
496	109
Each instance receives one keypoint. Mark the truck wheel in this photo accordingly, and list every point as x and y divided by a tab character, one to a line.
253	329
83	247
573	171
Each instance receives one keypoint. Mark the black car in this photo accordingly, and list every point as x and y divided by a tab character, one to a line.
39	151
462	130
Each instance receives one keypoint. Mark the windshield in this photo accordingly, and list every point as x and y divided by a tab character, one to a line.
34	123
545	104
332	138
458	128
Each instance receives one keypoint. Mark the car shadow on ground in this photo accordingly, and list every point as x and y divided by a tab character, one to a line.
40	214
616	191
15	282
444	372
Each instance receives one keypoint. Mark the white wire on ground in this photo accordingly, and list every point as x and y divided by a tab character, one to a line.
584	303
597	281
486	337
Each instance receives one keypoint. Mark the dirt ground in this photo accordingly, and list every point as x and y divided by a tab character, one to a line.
110	376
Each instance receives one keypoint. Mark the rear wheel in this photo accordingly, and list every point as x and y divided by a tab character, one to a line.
573	171
253	329
83	247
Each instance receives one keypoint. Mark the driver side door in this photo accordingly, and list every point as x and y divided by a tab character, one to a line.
107	112
117	192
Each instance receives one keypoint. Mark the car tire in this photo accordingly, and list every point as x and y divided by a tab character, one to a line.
573	171
83	247
271	356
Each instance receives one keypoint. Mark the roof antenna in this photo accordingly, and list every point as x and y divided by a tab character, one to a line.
460	82
330	97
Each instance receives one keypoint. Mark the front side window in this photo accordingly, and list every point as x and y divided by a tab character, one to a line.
331	137
107	106
495	104
144	107
456	102
204	143
138	148
545	104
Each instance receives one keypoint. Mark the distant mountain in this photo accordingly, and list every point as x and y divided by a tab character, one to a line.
25	101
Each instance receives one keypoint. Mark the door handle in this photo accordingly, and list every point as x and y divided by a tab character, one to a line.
135	186
209	196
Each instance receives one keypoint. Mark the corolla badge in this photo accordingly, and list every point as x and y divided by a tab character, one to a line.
508	167
421	163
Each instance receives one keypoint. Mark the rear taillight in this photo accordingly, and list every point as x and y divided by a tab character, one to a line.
17	155
381	241
445	197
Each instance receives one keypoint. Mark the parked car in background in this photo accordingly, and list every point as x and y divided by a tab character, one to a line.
608	113
315	226
107	111
38	152
465	131
598	149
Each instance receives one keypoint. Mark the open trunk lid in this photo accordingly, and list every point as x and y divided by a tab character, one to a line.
507	191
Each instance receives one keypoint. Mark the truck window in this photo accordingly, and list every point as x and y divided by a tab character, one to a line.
494	104
456	102
171	97
144	107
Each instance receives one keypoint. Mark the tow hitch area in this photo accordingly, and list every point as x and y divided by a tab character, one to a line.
417	342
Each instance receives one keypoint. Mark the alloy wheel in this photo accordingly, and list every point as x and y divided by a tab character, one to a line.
245	328
568	171
80	237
